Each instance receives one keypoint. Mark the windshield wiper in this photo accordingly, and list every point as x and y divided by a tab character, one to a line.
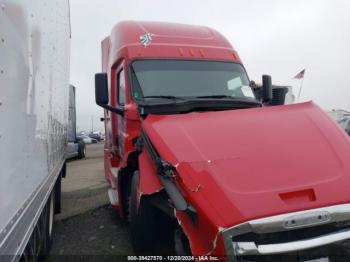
243	100
166	97
215	96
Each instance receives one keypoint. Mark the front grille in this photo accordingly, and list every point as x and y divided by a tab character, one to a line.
329	253
290	235
316	233
336	252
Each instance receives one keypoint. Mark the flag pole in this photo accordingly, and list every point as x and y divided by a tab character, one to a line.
301	87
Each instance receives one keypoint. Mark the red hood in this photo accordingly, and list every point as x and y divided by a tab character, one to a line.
256	162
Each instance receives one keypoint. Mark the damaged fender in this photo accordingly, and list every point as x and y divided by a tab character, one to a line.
149	181
204	238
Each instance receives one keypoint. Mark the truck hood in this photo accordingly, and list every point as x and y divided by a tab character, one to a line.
239	165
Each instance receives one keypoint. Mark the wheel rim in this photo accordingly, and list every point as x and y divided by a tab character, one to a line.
51	215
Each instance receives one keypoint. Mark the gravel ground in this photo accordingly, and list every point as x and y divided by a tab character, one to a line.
88	229
97	235
85	187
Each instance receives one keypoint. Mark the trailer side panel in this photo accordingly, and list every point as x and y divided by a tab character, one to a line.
34	80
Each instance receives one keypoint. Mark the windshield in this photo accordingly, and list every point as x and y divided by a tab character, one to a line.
185	79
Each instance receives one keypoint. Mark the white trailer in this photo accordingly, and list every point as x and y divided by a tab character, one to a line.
34	80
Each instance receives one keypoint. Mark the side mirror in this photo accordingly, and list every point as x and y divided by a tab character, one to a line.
266	91
101	89
101	93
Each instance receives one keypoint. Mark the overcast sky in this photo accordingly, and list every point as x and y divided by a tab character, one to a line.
273	37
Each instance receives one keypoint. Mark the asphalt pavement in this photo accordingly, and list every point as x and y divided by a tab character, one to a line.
84	187
88	228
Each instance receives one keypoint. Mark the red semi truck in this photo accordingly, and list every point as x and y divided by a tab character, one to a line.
192	150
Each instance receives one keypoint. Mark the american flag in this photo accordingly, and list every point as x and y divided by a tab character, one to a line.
300	75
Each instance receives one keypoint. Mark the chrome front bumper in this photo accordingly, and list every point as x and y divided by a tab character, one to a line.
339	215
250	248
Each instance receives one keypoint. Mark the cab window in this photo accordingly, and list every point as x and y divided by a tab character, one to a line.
121	87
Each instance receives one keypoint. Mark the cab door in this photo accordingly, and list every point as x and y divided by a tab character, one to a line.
126	126
117	125
114	126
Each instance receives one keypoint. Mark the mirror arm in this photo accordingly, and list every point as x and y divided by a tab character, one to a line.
113	109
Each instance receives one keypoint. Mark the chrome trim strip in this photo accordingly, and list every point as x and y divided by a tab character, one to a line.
279	223
336	213
250	248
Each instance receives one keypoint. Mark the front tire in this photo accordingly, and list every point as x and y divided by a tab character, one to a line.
142	220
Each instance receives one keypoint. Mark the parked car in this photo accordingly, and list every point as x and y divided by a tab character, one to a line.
75	147
81	133
96	135
87	140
